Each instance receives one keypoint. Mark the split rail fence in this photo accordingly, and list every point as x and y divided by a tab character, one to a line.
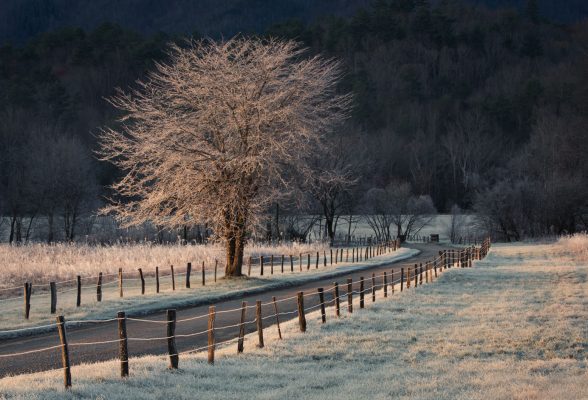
341	298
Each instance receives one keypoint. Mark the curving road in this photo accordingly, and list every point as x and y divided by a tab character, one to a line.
51	359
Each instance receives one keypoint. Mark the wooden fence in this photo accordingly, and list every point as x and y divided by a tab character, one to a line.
255	266
411	277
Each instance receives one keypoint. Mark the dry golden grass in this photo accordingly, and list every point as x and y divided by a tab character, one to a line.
513	327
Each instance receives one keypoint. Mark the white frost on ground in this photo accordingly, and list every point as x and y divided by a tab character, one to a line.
40	263
133	303
513	327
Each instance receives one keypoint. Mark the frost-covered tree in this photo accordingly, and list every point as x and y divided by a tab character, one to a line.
218	133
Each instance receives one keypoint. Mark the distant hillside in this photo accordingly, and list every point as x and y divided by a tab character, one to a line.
22	19
557	10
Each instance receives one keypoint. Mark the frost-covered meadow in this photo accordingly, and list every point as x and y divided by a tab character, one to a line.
512	327
133	302
41	263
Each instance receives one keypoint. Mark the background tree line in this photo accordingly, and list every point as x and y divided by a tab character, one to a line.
480	108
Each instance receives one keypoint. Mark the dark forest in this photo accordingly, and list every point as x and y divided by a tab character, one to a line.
481	108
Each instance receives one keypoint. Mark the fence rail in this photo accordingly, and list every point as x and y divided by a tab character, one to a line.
422	273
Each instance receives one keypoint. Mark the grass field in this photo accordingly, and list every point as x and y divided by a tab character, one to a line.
513	327
41	263
133	302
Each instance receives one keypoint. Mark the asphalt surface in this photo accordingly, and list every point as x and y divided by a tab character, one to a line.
51	359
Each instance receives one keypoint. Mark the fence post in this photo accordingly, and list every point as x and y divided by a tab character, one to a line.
291	263
347	255
282	263
99	288
407	278
361	290
123	350
440	261
142	281
337	302
470	257
79	292
259	323
249	266
211	341
308	261
392	280
120	282
215	268
421	274
156	279
242	327
53	288
321	295
277	316
173	278
301	315
271	264
435	267
324	258
188	272
373	287
203	275
349	295
64	352
427	272
27	299
171	339
318	256
386	285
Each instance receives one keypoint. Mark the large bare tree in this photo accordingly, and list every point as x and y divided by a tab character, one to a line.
218	132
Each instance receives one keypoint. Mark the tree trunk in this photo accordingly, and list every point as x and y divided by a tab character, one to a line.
12	224
18	230
74	221
235	244
50	228
28	232
278	222
349	229
330	231
235	247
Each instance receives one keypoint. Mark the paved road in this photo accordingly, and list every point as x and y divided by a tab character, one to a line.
108	331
